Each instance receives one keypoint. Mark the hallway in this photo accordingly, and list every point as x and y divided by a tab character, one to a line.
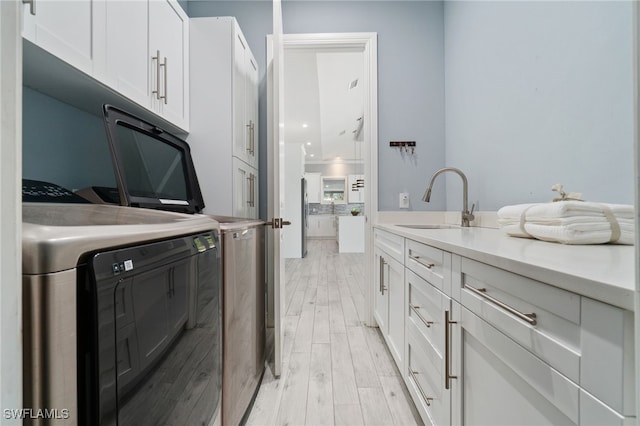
336	370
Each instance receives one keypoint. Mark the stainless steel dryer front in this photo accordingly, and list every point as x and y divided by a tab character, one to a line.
87	354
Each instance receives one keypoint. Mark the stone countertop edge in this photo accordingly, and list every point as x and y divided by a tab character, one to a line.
603	272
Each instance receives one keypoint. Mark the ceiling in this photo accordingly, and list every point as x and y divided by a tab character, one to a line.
324	103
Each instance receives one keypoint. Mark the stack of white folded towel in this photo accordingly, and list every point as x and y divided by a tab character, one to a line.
570	222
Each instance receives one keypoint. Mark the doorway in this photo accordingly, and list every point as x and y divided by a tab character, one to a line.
330	135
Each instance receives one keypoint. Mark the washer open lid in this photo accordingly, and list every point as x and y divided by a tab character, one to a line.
153	168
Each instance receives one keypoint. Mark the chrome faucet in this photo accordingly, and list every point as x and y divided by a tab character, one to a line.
467	216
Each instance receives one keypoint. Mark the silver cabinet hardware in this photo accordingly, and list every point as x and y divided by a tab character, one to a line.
252	199
252	141
424	320
382	286
166	68
417	259
413	375
447	355
32	6
157	59
482	292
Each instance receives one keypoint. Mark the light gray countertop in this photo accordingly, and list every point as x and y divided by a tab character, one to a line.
602	272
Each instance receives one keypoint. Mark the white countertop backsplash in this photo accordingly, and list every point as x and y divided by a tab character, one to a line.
603	272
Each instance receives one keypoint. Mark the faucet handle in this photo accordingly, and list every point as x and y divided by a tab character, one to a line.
468	216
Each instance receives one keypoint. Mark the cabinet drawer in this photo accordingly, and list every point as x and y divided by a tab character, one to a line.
504	383
432	264
510	302
425	379
607	365
595	413
390	243
426	307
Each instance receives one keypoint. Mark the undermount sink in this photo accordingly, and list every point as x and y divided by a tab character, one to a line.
429	226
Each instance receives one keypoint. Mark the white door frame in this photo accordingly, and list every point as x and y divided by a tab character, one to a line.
368	43
11	208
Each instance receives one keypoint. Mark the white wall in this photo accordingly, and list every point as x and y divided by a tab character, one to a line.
539	93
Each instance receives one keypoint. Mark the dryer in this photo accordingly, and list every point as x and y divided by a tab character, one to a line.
121	315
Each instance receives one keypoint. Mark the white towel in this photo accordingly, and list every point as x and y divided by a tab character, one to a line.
570	222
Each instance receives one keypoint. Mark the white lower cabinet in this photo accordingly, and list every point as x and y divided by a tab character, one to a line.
322	226
428	349
485	346
389	296
381	294
500	382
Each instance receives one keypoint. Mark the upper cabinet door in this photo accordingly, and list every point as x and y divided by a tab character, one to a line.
62	28
245	100
240	124
168	60
251	108
126	33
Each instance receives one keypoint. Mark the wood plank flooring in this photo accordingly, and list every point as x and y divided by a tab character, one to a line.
336	370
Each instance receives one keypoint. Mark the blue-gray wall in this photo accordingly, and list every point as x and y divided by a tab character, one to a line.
410	77
539	93
62	144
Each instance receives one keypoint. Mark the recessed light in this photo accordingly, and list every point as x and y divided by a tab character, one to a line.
308	143
312	155
305	125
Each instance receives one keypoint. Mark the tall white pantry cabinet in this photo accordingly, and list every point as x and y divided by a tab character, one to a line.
224	104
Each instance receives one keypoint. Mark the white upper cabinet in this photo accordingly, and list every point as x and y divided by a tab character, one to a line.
62	28
245	99
125	66
223	130
138	49
169	60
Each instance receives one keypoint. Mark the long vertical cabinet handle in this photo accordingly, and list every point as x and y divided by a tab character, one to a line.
253	189
252	141
157	59
166	68
250	182
32	6
251	197
447	355
253	138
382	263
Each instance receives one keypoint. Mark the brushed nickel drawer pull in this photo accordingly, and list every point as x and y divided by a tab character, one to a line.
447	344
482	292
382	287
413	375
424	320
417	259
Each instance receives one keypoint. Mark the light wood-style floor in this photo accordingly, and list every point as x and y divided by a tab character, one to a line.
336	370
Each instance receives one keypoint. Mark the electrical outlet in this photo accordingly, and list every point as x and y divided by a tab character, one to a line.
404	200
